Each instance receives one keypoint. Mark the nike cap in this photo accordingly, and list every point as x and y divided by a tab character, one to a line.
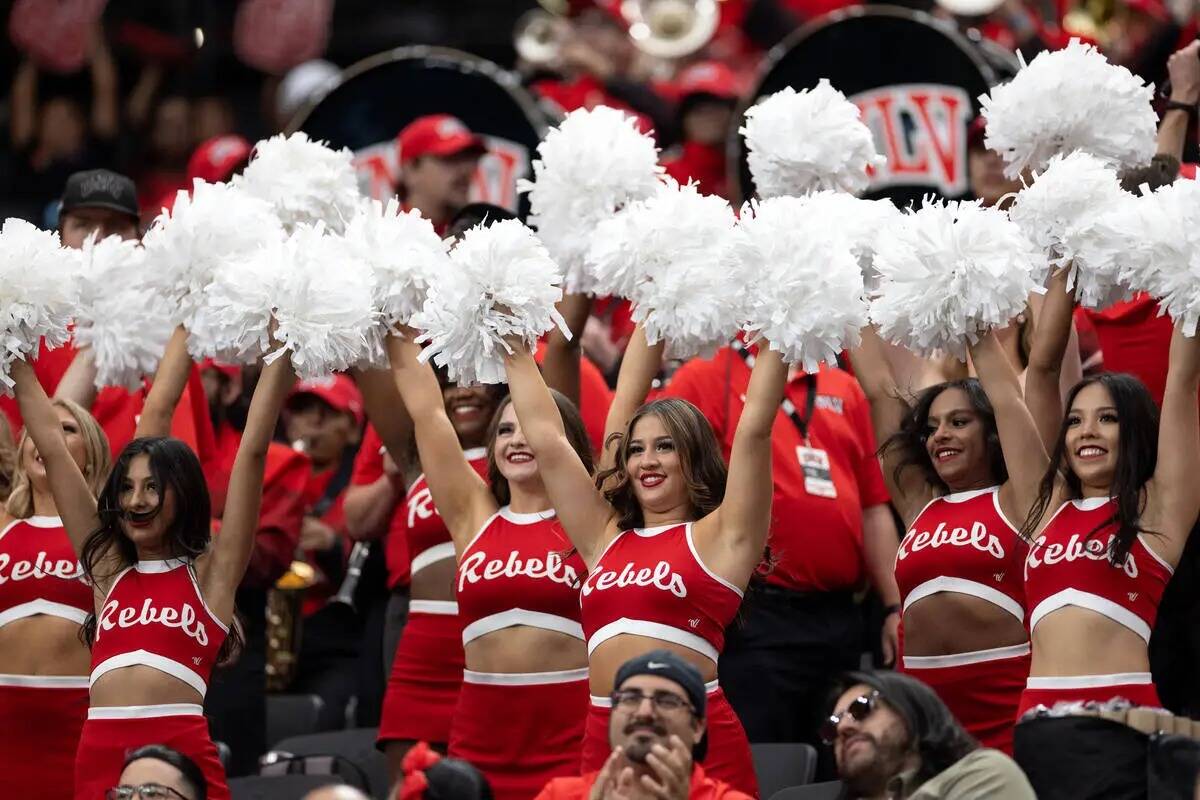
666	664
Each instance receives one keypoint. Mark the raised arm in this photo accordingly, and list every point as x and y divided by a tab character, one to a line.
221	570
585	515
169	382
1184	69
368	507
641	363
560	365
75	501
909	489
1174	489
1024	454
461	496
1051	335
733	536
106	109
78	383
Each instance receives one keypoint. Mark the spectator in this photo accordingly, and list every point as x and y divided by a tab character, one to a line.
893	738
335	793
170	141
438	158
708	92
158	771
985	169
657	732
426	775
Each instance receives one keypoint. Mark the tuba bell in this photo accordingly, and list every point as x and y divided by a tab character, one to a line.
671	28
539	34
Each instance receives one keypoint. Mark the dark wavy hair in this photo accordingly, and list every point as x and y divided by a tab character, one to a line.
1137	456
192	774
175	468
576	434
909	441
936	736
704	472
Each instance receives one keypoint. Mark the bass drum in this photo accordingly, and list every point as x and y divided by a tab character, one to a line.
366	106
915	79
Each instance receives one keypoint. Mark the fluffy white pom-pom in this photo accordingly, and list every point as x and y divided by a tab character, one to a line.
804	280
1078	214
217	222
125	322
949	272
1070	99
305	181
592	164
38	292
798	142
503	284
664	254
1166	260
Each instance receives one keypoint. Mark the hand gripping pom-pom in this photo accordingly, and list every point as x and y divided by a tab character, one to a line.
1166	258
664	254
592	164
124	321
305	181
949	272
1077	213
799	142
37	292
804	280
502	284
1070	99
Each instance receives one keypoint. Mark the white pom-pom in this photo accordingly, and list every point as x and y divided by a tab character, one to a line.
216	223
664	254
805	283
589	166
1077	213
1070	99
503	284
799	142
1166	259
949	272
305	181
38	292
859	222
125	322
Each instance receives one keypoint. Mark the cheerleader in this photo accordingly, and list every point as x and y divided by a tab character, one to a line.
670	539
524	697
43	601
163	588
958	566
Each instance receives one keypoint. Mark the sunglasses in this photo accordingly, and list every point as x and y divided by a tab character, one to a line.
859	709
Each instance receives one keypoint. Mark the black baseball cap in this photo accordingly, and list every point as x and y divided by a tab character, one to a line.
666	664
100	188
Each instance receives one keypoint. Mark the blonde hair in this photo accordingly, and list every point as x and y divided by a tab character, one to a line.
19	504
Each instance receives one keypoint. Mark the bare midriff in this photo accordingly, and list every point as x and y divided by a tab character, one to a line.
435	581
948	623
609	656
1079	641
522	648
140	685
43	645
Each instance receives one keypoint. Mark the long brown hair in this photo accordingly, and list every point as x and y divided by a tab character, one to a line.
8	458
576	434
699	452
19	504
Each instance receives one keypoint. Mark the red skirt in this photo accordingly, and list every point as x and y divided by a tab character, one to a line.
40	721
521	730
982	689
1136	687
110	733
427	671
728	758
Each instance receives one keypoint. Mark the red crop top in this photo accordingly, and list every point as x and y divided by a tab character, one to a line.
39	573
962	543
514	573
651	582
154	616
1067	567
428	539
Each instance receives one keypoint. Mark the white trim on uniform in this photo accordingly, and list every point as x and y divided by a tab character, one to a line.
652	630
1092	602
431	555
710	688
520	616
43	606
1142	538
687	533
203	602
525	678
963	659
144	658
527	518
45	681
945	583
146	712
474	538
442	607
1088	681
161	565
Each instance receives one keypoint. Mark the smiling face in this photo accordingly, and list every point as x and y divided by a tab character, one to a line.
957	441
470	409
31	460
511	452
147	509
871	751
1092	437
654	467
638	726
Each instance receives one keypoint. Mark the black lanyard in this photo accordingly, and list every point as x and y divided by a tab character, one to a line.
789	408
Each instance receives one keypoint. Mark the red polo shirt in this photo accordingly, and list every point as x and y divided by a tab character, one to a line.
702	163
368	468
816	541
1134	339
702	788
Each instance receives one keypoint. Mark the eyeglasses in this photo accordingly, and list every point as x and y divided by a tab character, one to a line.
630	699
147	791
859	709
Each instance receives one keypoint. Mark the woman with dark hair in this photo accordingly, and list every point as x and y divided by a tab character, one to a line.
43	601
160	772
520	712
163	587
669	537
958	566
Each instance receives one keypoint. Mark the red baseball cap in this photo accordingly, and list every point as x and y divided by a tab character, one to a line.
707	77
437	135
218	158
336	390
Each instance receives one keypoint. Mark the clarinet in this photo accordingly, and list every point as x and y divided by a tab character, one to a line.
354	567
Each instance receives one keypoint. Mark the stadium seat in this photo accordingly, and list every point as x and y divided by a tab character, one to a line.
278	787
356	745
291	715
779	766
830	790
